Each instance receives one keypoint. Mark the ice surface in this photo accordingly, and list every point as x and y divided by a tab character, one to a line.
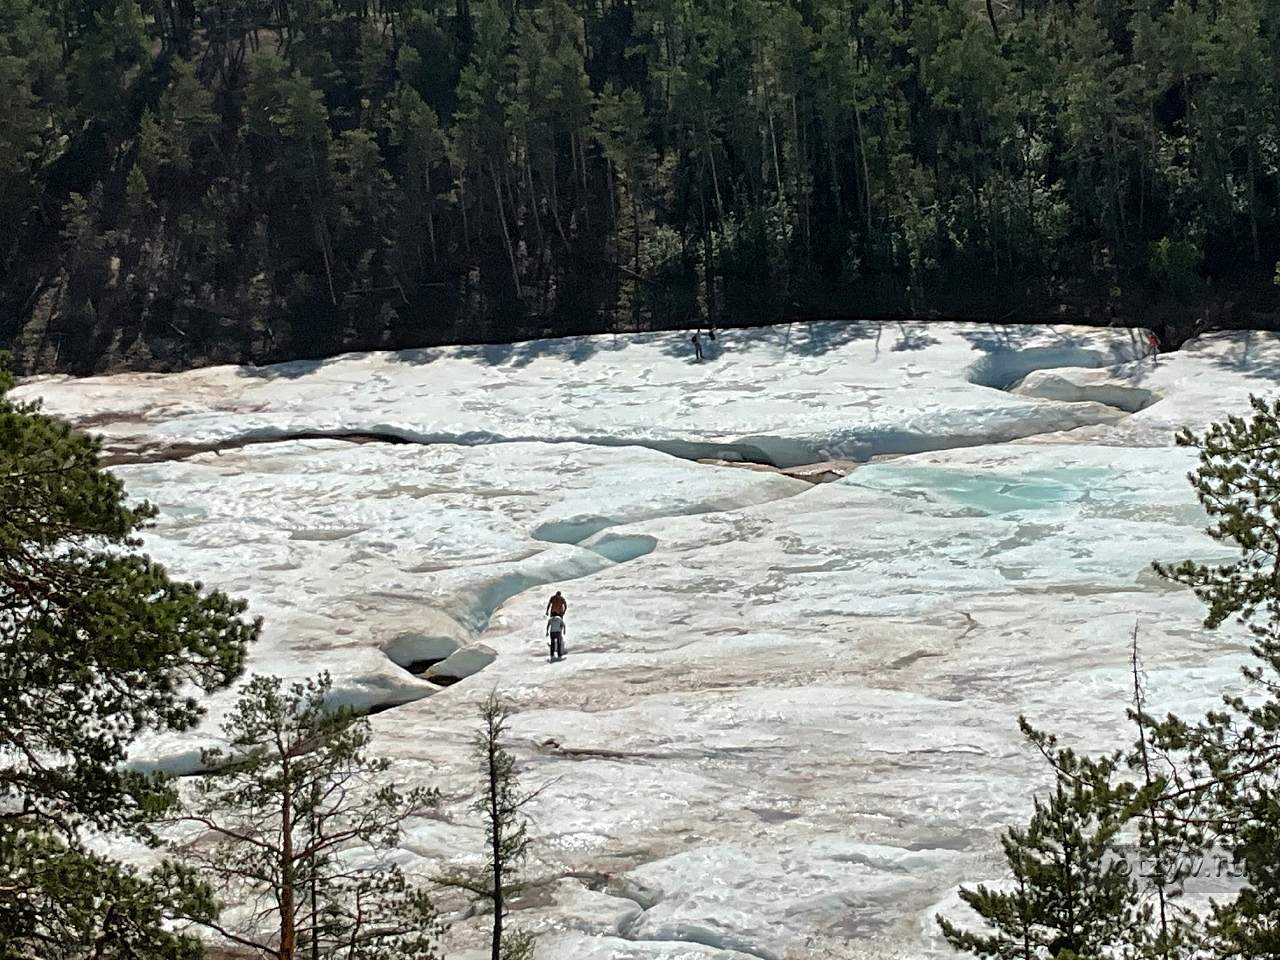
783	395
787	712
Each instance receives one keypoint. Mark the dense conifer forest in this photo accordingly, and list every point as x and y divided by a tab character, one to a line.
194	181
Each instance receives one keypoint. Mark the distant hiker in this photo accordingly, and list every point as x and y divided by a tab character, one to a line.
557	605
1153	342
555	631
697	346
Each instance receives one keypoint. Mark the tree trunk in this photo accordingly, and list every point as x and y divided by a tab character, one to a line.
715	177
288	901
313	833
801	165
495	816
462	205
533	202
431	234
322	228
866	170
555	196
1253	206
1153	821
635	259
506	234
777	168
836	192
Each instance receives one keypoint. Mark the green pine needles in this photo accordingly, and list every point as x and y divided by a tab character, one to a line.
1186	791
97	645
293	824
1073	893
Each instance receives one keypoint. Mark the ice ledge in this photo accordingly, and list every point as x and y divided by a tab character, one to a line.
778	396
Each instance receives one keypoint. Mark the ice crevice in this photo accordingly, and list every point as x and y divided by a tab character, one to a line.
448	659
815	661
1004	369
1050	385
445	660
850	444
1026	372
770	451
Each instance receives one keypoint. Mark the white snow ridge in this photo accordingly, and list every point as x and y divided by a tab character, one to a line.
788	711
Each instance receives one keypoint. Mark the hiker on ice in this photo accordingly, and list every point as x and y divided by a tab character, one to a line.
696	340
557	605
555	631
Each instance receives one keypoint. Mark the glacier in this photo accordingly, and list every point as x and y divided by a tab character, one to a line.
787	722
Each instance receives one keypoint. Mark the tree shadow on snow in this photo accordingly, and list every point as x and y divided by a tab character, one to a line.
809	339
1006	338
1253	353
292	370
575	350
913	337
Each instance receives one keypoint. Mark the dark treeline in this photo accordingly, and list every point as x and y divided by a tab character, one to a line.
186	181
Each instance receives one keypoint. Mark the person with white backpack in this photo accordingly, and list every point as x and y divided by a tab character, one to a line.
555	633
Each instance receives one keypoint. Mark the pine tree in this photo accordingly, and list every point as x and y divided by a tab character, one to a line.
1162	839
500	805
97	645
1232	758
1073	894
292	826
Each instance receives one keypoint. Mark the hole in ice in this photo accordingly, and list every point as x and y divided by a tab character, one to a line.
418	651
459	665
1002	370
570	531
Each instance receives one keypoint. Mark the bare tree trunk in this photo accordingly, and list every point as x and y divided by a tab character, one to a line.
802	194
288	903
1253	207
866	170
322	228
777	168
496	818
1153	822
836	192
635	259
311	867
533	201
462	205
555	196
586	202
506	234
612	188
431	234
711	158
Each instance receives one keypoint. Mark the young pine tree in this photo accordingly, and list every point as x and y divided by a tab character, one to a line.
1227	791
1165	841
1073	894
97	645
293	824
500	804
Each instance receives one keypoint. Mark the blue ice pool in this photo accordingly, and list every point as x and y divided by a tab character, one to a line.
989	492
